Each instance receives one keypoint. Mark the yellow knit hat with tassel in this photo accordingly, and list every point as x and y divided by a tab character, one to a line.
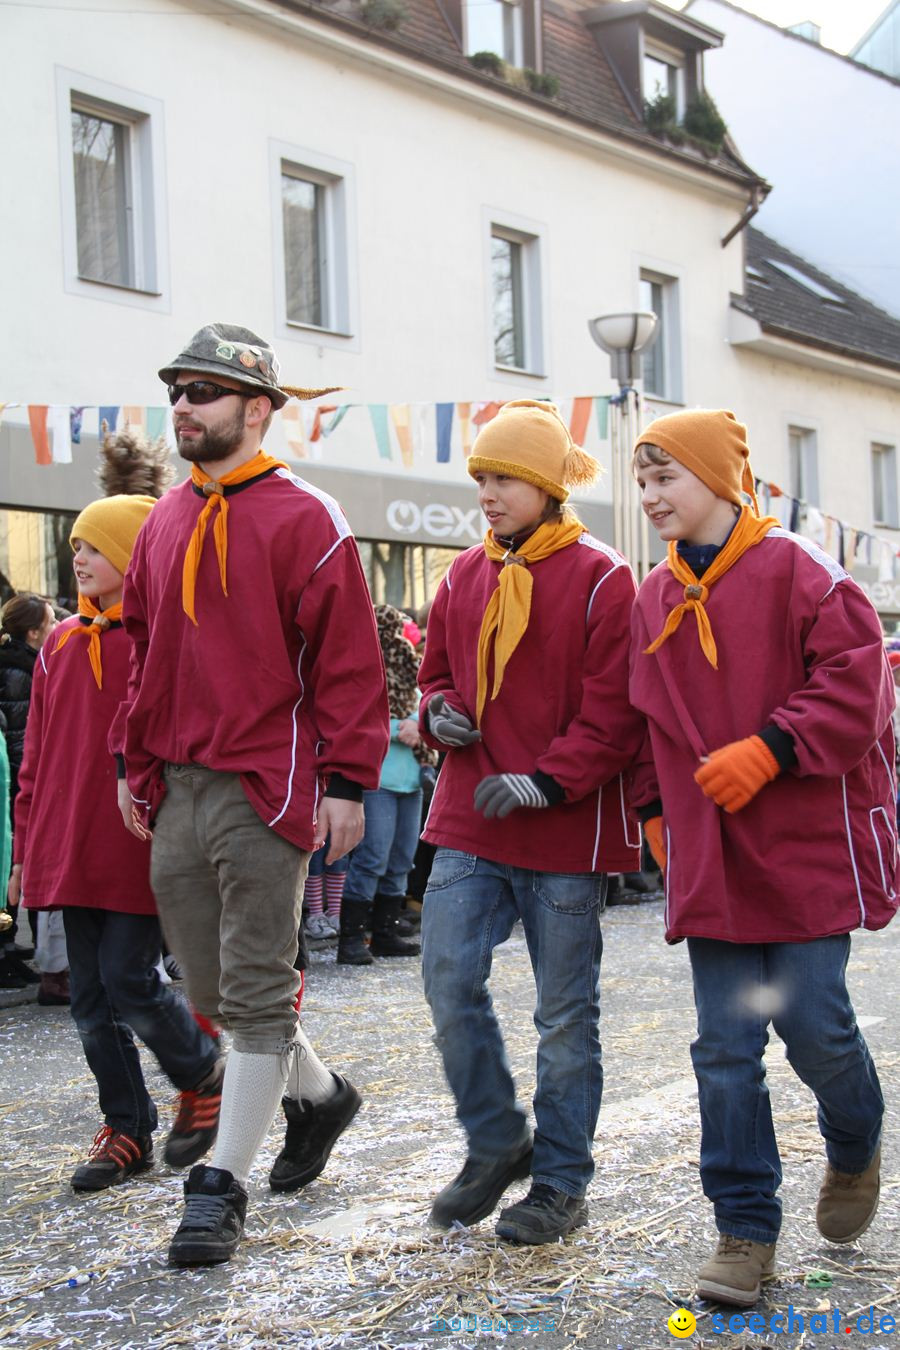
529	440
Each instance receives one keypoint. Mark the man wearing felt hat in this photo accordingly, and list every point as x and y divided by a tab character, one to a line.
251	729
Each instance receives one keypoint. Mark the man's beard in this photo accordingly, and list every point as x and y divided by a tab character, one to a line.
211	446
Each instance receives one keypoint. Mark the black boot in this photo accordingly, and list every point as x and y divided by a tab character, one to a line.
386	941
352	948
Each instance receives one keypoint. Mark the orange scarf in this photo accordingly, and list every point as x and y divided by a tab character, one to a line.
749	530
509	607
100	621
214	491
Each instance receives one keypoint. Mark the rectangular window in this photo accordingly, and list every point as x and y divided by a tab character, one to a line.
305	250
104	206
313	223
494	26
663	75
516	299
112	190
509	317
804	464
884	486
661	364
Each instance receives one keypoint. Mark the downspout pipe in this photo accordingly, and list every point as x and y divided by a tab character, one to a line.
752	207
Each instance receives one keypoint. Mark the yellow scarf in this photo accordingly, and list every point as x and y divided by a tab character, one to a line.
214	491
509	608
101	619
749	530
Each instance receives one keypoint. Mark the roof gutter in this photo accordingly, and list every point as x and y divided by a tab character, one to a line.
750	211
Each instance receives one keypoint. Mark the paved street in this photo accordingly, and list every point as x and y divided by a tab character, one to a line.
351	1261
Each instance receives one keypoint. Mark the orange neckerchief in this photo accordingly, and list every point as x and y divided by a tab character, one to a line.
749	530
101	619
509	607
214	491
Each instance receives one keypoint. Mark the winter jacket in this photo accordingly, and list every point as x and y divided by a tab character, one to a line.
69	834
799	647
562	710
281	680
16	673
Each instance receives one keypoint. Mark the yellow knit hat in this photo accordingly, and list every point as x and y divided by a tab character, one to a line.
111	526
530	440
712	444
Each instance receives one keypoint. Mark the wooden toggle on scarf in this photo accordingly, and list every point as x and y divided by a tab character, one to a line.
100	621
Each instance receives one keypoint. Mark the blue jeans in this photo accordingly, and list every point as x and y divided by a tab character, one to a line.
471	905
800	987
116	990
383	858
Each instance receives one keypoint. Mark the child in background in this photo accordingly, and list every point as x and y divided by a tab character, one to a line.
72	853
759	665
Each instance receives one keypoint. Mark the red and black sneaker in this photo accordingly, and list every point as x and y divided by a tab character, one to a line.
114	1156
197	1122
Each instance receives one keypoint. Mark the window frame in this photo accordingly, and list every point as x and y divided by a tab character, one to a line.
808	430
142	116
670	279
341	308
675	60
517	8
878	450
532	237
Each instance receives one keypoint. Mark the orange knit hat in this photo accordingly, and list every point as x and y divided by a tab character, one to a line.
712	444
529	440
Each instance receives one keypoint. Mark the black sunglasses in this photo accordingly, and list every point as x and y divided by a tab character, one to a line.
205	391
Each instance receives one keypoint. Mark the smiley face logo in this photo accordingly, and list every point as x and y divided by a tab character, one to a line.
682	1323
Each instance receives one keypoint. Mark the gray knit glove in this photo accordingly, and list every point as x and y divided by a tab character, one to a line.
505	792
449	726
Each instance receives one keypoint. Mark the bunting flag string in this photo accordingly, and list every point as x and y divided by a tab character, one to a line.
412	435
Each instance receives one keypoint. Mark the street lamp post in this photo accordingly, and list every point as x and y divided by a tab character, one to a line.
625	336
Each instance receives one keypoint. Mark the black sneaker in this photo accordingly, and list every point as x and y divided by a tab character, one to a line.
197	1122
215	1206
474	1193
114	1156
545	1215
312	1132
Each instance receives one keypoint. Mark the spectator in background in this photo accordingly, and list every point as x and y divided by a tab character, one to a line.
381	862
26	621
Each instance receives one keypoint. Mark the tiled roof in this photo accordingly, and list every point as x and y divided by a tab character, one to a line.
782	305
589	91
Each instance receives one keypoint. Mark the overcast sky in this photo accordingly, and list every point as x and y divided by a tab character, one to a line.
843	22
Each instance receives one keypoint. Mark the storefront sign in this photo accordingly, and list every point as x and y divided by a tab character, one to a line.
436	519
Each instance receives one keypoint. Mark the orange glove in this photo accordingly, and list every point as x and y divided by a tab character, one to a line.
656	841
733	775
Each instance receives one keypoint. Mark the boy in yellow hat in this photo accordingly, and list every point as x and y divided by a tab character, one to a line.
759	665
524	685
72	853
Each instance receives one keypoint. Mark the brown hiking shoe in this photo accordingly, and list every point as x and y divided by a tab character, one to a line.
735	1273
197	1122
848	1201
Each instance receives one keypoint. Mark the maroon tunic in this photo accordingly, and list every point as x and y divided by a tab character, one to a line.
69	834
281	680
562	709
800	646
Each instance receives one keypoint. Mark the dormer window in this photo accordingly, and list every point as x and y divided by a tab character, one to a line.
663	74
494	26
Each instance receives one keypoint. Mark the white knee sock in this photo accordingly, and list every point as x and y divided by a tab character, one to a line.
308	1077
250	1095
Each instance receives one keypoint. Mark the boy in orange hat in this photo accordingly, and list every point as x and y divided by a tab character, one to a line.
524	685
759	665
72	854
